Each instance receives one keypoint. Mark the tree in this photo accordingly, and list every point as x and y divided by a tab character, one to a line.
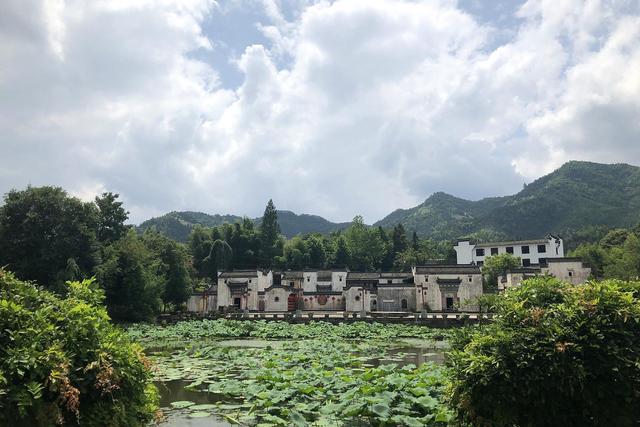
170	266
111	218
296	254
498	265
218	259
624	262
199	247
415	241
399	240
317	254
130	280
555	355
342	255
42	230
614	238
269	232
365	246
62	362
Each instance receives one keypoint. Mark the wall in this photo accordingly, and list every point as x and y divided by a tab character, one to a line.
571	271
467	290
333	302
276	299
390	298
464	252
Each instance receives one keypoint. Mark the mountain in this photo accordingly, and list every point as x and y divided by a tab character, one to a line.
178	225
575	196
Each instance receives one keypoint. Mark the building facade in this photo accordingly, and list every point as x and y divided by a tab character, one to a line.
531	252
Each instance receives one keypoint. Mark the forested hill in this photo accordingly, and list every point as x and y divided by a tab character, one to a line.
576	196
573	198
178	225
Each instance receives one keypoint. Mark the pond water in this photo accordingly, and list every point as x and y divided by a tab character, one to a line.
401	352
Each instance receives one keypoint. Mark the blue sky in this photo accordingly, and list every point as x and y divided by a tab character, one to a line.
334	108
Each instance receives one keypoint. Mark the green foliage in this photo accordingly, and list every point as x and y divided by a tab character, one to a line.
556	354
624	262
111	218
47	236
151	335
269	232
498	265
62	362
129	275
319	381
365	245
169	266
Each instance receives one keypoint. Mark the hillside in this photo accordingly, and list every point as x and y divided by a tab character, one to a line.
178	225
577	195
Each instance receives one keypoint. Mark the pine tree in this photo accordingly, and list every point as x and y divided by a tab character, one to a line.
269	232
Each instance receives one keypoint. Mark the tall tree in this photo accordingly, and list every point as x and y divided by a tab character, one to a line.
43	231
130	280
218	259
317	253
342	255
399	239
199	247
269	232
111	218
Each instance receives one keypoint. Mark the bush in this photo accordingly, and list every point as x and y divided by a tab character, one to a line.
556	355
62	362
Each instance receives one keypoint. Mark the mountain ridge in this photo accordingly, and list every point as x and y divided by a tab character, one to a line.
575	196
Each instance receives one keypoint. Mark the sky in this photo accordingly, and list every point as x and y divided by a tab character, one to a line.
334	108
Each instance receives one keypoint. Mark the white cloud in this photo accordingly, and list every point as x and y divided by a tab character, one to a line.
355	107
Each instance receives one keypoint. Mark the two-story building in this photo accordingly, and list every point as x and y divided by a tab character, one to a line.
529	251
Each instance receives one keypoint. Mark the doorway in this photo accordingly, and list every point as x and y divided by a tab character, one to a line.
449	303
237	303
292	301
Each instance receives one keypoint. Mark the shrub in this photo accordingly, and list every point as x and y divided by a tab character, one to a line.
556	355
63	362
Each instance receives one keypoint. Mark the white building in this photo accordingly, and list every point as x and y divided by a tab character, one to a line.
530	251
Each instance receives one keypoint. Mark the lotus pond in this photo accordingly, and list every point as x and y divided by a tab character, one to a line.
257	373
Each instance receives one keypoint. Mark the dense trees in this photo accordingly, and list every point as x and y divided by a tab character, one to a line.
616	255
49	237
556	354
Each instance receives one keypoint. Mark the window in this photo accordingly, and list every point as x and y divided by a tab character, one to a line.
357	298
470	279
291	284
249	280
542	261
276	299
340	277
542	249
480	263
494	251
526	262
479	252
510	250
426	278
308	278
404	304
525	249
389	281
571	274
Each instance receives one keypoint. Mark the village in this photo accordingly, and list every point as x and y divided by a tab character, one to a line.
424	289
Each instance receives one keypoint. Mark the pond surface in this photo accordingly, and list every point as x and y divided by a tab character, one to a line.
176	385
